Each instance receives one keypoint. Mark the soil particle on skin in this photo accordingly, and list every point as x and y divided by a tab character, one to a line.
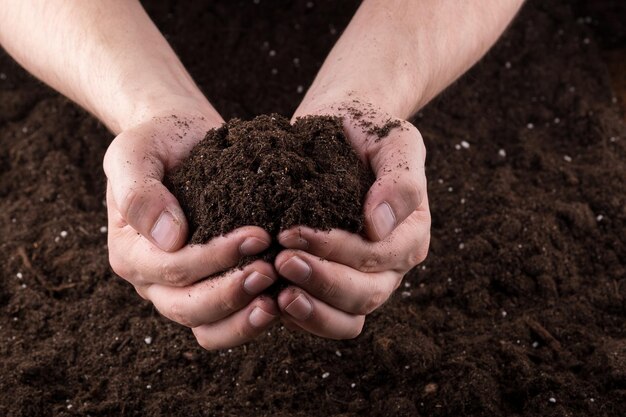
269	173
364	115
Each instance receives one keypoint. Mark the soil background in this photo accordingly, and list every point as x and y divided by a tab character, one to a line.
520	309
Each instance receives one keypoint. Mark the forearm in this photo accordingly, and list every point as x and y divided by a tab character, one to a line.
107	56
400	54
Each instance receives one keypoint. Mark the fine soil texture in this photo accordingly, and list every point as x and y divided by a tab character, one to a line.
269	173
519	310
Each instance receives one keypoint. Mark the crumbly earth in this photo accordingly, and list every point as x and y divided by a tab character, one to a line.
519	310
269	173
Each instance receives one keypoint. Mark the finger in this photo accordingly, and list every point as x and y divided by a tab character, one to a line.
338	285
212	299
317	317
137	260
400	187
135	169
240	327
403	249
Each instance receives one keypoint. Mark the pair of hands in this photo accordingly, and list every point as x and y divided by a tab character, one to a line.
336	278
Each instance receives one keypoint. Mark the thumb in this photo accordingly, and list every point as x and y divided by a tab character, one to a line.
135	173
400	187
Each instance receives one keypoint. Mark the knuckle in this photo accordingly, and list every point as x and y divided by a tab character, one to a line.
205	342
178	314
220	259
131	203
377	298
354	332
414	258
226	303
173	274
412	193
372	262
328	287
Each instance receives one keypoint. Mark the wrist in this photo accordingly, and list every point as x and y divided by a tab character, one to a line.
397	96
129	106
339	101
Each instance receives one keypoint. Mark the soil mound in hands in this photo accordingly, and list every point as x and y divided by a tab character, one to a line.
269	173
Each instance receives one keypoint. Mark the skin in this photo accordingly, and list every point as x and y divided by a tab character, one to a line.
111	59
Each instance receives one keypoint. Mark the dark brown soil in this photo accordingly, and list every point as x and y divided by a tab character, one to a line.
269	173
520	309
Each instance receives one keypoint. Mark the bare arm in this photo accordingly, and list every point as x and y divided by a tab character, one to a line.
111	59
399	54
108	56
393	58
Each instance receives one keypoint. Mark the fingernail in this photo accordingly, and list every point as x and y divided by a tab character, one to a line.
294	241
252	246
295	270
259	318
383	220
165	231
256	282
300	308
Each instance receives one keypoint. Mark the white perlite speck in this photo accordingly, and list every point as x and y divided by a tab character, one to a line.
300	89
599	217
465	144
104	229
19	275
530	126
338	353
63	233
502	153
325	375
567	158
552	400
148	340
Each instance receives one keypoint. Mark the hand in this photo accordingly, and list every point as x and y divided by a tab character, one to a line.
148	230
338	277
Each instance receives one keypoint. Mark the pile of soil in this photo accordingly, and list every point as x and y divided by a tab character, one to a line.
518	311
269	173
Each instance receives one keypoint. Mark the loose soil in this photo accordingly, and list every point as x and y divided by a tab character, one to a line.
519	310
269	173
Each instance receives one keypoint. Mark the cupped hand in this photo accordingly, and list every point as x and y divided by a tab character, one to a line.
338	277
148	230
